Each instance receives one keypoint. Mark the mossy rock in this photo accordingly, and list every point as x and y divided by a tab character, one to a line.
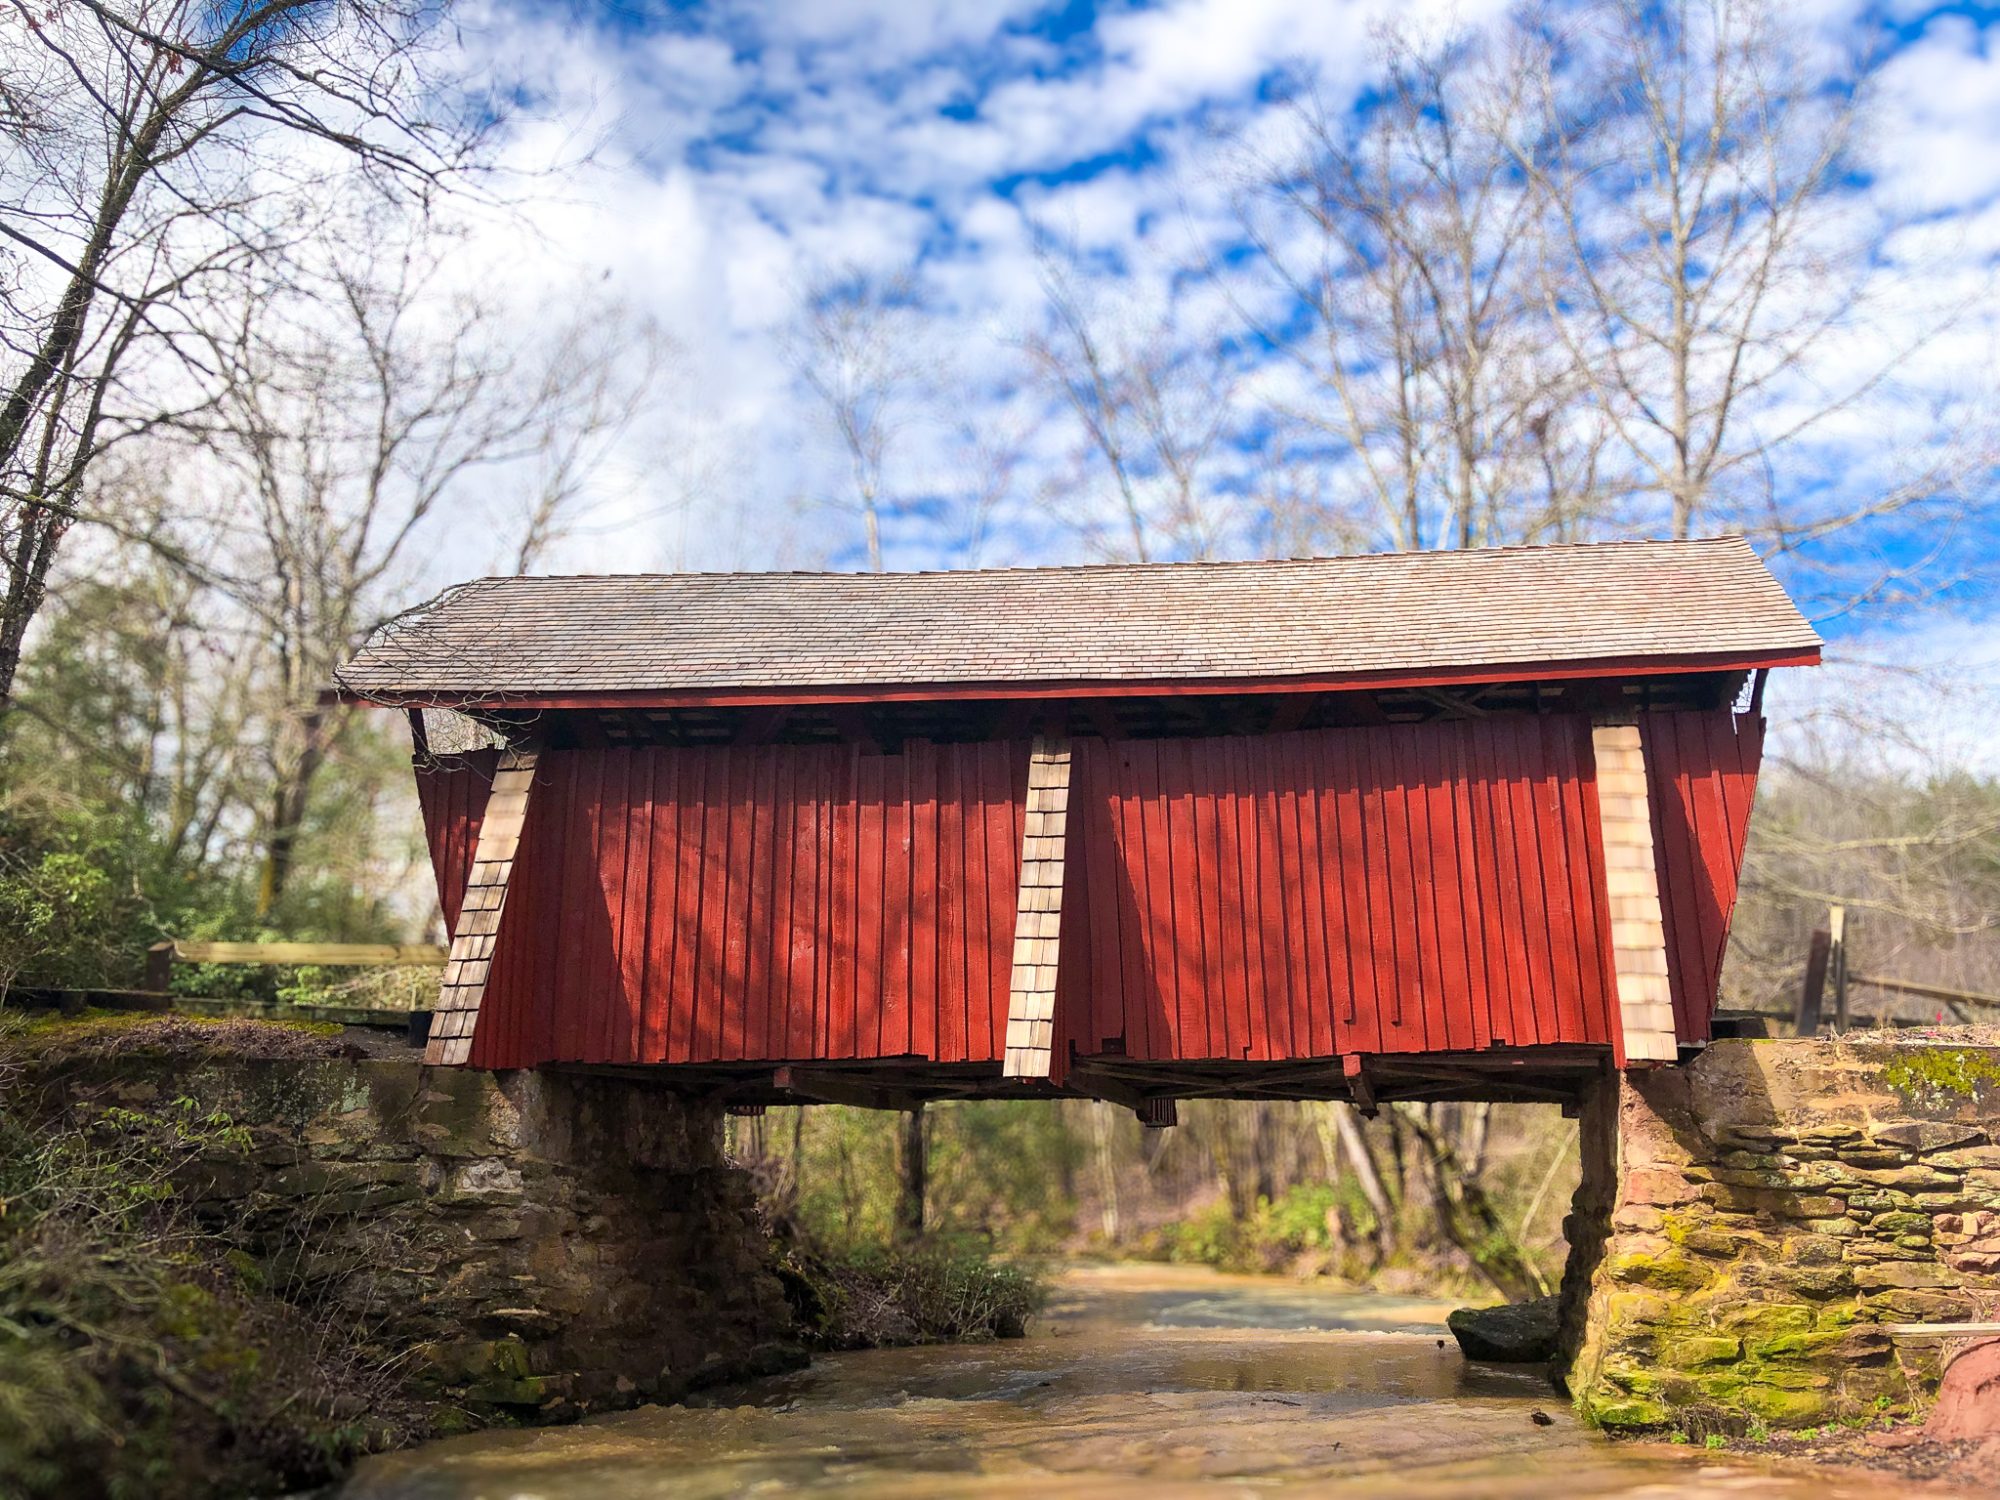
1624	1412
1765	1320
1669	1271
1916	1071
529	1390
1782	1408
1696	1352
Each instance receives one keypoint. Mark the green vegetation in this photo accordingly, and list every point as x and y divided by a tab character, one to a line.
934	1291
1930	1075
1248	1187
1301	1222
145	1350
120	824
830	1184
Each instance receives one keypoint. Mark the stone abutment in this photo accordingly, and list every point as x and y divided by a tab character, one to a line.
1757	1230
533	1244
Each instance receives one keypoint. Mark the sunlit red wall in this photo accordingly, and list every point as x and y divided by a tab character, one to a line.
1433	887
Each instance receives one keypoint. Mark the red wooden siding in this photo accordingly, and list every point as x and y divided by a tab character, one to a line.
1412	888
1416	888
1701	779
752	904
452	795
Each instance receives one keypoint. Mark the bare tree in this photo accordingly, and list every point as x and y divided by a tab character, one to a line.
855	346
1697	160
1154	409
346	440
157	146
149	701
1407	231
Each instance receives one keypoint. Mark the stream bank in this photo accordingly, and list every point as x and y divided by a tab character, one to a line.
239	1254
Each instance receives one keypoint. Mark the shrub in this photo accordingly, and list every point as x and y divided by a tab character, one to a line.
53	906
1276	1232
934	1291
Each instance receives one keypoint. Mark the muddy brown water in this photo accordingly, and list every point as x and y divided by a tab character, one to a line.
1152	1382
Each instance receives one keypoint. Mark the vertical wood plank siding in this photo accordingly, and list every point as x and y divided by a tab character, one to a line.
1401	889
1301	895
452	795
1702	778
756	904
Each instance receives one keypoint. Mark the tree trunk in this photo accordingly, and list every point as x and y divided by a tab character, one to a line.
910	1163
288	814
1361	1161
1107	1171
1468	1219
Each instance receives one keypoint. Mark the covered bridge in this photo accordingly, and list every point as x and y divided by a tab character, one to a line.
1415	825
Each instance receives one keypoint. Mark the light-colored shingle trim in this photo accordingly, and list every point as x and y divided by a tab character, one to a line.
1031	988
1638	927
477	935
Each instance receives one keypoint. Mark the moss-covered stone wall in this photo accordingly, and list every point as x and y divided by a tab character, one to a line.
519	1244
1749	1223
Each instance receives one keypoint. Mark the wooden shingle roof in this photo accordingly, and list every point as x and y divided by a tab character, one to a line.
1642	606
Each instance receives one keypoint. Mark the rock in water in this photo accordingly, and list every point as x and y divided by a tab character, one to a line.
1517	1333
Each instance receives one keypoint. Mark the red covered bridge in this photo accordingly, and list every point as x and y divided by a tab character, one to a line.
1420	825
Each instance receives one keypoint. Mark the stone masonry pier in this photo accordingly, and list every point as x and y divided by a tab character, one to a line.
1753	1230
529	1245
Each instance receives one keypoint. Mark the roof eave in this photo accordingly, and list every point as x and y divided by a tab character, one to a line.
772	695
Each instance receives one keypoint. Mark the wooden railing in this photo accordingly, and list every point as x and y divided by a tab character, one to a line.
161	957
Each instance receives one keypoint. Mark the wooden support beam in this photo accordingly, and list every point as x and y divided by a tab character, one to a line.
1290	711
160	968
760	726
1638	927
1812	990
1114	1090
478	931
1031	988
1359	1086
1836	965
1924	991
830	1086
1457	706
855	727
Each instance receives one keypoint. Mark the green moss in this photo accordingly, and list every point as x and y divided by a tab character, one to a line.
42	1035
250	1273
1783	1408
1930	1074
1669	1271
1623	1412
528	1390
1692	1353
1765	1320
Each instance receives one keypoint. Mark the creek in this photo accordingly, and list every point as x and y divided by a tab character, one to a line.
1139	1381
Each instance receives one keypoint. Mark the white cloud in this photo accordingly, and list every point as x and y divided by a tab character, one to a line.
736	152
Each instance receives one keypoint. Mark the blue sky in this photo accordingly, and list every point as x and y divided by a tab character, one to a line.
716	159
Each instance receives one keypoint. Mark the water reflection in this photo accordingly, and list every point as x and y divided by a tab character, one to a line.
1141	1381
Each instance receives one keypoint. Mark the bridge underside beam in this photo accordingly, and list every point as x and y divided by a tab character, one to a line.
1556	1075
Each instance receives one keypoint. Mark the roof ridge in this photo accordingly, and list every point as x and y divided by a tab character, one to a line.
1190	564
